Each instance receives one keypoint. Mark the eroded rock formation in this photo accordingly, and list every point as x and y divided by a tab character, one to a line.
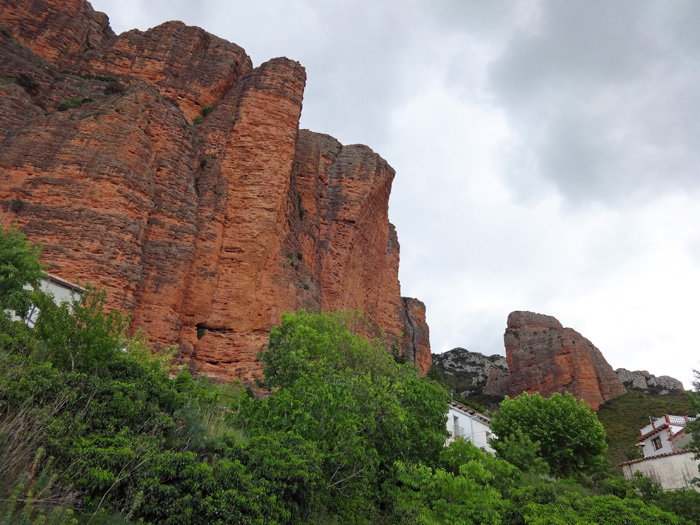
545	357
642	380
203	233
470	370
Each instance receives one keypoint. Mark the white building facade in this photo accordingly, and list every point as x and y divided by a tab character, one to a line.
61	290
666	460
466	423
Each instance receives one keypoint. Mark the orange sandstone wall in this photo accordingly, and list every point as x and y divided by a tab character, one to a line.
545	357
216	228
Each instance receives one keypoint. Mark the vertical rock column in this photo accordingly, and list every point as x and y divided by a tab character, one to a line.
252	137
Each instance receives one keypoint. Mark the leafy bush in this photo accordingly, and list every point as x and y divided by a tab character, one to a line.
19	265
206	109
72	103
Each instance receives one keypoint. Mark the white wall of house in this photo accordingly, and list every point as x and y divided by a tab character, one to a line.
61	291
461	424
657	437
673	472
662	438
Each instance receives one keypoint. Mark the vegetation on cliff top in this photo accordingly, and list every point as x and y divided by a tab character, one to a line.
94	429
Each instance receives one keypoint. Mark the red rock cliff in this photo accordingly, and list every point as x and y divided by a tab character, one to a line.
206	233
545	357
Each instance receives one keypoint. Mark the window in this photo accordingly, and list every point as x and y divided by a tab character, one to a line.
657	443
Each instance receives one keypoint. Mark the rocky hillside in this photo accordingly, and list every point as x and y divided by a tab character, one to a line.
163	166
644	381
469	370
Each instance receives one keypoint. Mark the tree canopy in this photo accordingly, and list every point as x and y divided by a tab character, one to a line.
569	435
349	397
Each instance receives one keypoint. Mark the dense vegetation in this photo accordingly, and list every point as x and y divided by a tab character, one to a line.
94	428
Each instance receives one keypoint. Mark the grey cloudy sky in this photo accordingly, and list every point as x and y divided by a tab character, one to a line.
546	152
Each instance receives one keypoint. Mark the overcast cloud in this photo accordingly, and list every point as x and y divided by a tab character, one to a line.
546	152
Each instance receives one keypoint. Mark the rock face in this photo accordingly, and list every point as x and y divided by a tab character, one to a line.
471	370
642	380
203	233
416	340
545	357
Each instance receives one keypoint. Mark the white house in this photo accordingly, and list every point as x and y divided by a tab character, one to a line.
466	423
61	291
666	460
657	437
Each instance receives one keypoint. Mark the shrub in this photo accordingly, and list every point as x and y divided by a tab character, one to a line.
72	103
16	205
114	88
208	108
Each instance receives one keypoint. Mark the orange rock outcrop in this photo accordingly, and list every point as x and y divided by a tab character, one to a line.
545	357
203	233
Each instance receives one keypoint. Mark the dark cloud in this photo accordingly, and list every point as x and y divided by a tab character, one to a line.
605	96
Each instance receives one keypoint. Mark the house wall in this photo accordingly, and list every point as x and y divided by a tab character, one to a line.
60	292
672	472
665	435
474	430
666	446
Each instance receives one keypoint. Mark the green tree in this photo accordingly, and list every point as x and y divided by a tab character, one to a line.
519	450
19	266
348	397
570	436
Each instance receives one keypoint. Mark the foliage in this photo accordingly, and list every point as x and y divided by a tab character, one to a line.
350	399
438	496
548	502
72	103
206	109
519	450
19	266
684	503
570	436
16	205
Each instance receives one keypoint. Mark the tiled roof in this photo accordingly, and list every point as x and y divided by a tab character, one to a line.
676	453
471	412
